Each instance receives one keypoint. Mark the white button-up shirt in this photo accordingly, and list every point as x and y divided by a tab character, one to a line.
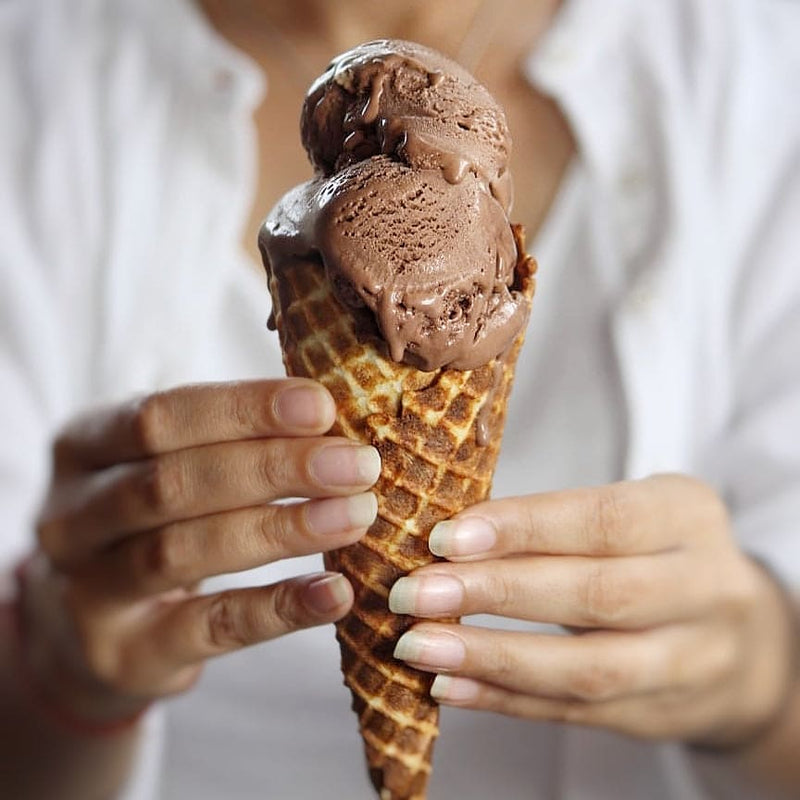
666	331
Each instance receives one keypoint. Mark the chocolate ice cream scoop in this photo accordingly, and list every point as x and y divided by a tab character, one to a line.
402	99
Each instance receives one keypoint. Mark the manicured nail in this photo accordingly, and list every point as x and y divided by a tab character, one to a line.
426	595
437	650
346	465
469	536
338	514
328	592
304	407
451	689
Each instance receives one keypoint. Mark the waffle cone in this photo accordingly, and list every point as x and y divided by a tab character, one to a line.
425	426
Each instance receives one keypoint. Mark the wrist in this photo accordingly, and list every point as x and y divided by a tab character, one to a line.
69	701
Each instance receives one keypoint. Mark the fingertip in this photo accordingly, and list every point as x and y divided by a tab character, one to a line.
304	405
463	538
344	464
454	690
362	510
439	539
370	466
329	596
335	516
327	406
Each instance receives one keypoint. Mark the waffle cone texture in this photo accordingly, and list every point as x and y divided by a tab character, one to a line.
425	426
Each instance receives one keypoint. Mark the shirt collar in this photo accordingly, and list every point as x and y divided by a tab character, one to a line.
585	62
579	63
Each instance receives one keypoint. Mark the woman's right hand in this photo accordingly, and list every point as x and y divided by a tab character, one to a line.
148	499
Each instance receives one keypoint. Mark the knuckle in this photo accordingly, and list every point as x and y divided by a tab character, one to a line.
289	613
502	665
606	601
270	529
164	557
248	415
150	420
162	485
273	470
608	519
500	592
596	682
281	531
225	628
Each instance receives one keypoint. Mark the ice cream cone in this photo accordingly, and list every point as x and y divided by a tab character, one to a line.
439	435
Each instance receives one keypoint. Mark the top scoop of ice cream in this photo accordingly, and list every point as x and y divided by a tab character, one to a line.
408	207
409	102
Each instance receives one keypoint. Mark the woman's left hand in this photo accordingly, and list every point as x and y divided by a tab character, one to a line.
678	634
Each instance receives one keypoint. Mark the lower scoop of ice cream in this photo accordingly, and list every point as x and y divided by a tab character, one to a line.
432	261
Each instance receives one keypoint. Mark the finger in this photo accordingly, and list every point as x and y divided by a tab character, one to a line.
624	593
191	416
205	627
593	668
626	518
192	483
464	692
651	716
183	553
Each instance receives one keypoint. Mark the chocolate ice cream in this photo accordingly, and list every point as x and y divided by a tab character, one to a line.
408	208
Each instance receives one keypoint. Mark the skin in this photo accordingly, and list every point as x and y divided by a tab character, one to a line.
139	512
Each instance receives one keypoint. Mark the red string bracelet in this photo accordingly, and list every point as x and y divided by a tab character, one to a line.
58	714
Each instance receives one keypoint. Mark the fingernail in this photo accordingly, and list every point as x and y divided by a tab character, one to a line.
327	593
346	465
436	594
438	650
304	407
337	514
469	536
447	688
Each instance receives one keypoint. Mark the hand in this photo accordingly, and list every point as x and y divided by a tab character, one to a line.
149	498
678	633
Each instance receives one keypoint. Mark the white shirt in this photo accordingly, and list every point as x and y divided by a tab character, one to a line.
668	262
